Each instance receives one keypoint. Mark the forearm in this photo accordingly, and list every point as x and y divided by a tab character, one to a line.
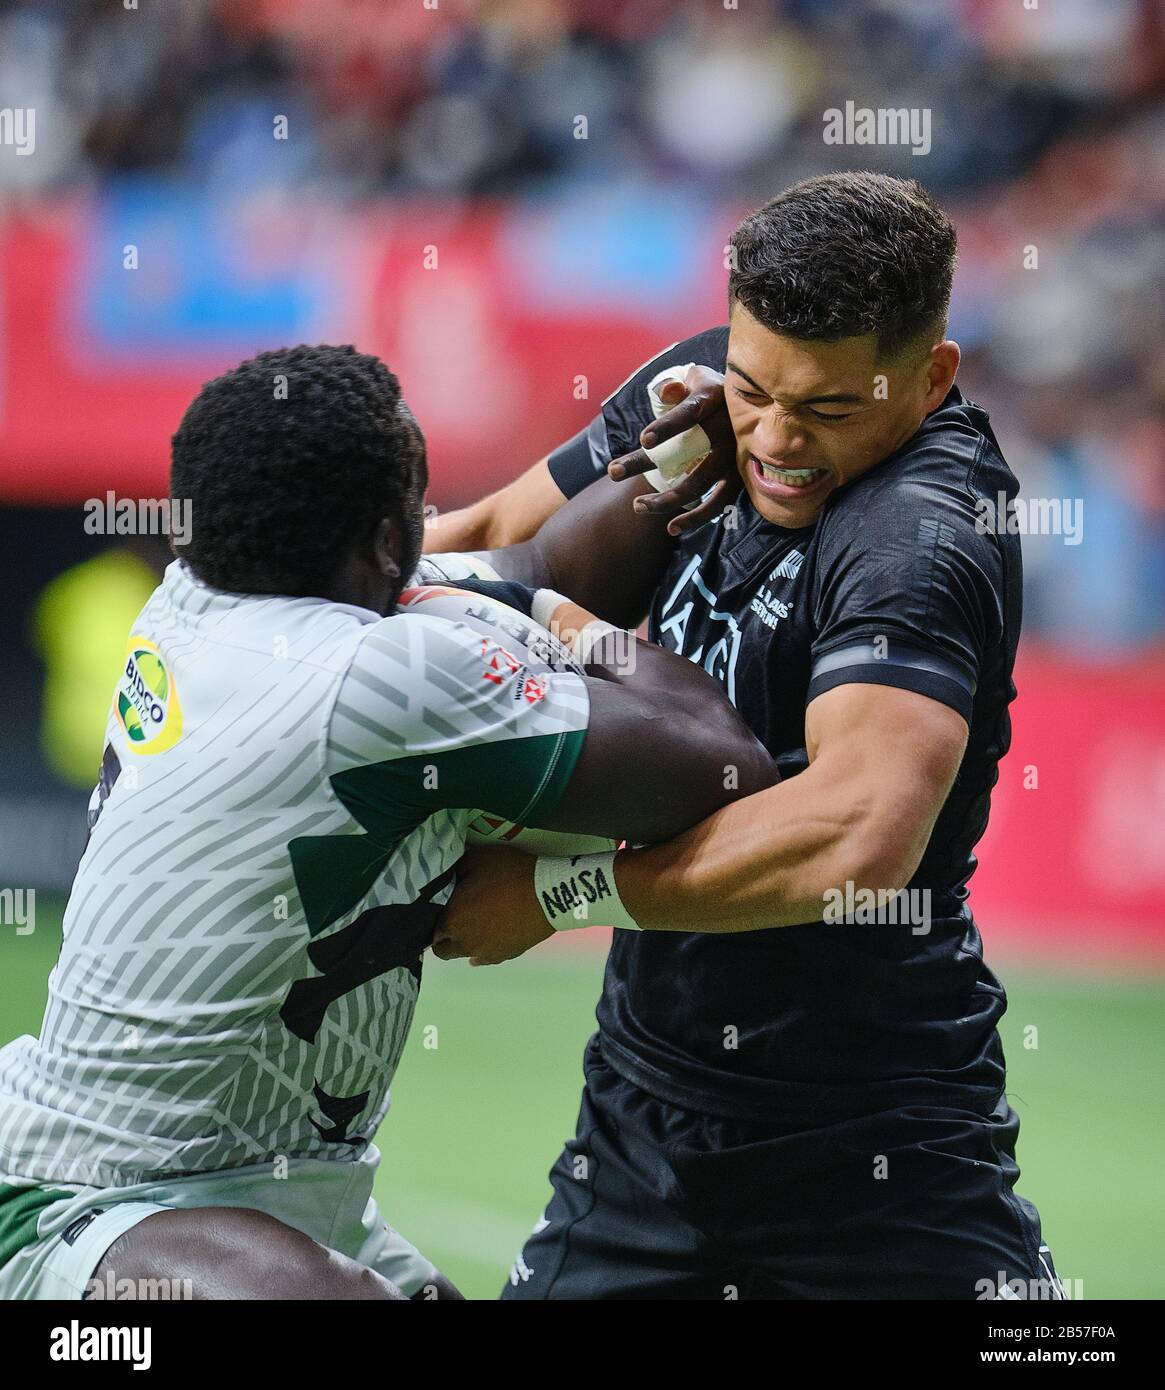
771	860
598	551
467	528
507	517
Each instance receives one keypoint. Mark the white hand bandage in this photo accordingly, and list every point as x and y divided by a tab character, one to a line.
674	457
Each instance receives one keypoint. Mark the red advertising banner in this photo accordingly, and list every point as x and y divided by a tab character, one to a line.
1073	862
504	344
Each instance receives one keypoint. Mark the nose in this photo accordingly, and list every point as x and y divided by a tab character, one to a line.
778	437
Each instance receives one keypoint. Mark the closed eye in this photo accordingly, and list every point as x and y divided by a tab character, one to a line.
752	397
756	398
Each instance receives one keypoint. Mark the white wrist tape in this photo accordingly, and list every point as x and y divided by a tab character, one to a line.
580	892
604	643
616	642
674	457
543	605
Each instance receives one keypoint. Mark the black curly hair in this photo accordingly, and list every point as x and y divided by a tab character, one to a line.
290	461
843	255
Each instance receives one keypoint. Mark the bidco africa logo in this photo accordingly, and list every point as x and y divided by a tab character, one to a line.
146	700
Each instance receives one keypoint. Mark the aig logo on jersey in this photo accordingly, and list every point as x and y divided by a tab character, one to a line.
699	630
146	701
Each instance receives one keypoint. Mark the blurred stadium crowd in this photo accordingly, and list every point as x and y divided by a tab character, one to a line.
1047	133
572	249
154	123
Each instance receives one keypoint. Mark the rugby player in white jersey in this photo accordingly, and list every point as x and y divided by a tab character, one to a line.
292	760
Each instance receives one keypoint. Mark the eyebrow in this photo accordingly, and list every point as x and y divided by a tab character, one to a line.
828	398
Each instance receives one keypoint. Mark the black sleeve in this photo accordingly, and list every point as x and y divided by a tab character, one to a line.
519	596
907	591
627	412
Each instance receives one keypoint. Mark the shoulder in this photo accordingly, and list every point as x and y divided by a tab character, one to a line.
412	680
941	485
708	348
413	649
470	667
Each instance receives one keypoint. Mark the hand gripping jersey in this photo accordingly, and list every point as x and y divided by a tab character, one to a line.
284	793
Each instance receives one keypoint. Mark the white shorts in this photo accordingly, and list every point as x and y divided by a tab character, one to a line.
330	1201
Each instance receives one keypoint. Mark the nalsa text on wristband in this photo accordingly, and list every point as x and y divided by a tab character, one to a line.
580	891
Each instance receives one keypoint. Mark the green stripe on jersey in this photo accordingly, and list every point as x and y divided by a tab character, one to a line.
20	1209
518	778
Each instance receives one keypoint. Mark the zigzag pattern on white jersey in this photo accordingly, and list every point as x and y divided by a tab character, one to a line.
212	1004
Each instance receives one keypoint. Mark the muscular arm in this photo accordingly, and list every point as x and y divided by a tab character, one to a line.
598	550
644	704
882	762
629	781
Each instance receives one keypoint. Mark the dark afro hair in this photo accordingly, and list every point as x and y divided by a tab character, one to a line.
289	463
843	255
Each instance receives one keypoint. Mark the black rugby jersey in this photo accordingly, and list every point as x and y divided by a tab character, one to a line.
898	583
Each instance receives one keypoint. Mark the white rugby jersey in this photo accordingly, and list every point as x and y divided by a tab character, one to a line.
284	794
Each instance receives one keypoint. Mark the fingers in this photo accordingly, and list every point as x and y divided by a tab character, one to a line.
689	487
703	401
676	421
711	506
446	948
690	411
672	392
703	397
629	465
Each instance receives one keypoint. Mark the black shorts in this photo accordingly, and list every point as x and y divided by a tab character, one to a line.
654	1201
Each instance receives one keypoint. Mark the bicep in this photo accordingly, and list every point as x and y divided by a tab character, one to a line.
647	773
894	755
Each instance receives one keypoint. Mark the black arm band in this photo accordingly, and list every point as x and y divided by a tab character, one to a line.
878	661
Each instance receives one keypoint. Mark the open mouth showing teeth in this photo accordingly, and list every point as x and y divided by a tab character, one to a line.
791	477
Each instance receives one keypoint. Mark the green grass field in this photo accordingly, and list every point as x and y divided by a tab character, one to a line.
488	1089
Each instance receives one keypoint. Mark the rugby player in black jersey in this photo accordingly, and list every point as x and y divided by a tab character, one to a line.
784	1098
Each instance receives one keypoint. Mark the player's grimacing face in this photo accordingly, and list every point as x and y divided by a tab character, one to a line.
810	417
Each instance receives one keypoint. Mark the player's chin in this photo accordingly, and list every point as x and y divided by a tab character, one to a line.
790	512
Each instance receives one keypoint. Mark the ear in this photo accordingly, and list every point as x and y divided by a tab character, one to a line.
940	372
386	546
